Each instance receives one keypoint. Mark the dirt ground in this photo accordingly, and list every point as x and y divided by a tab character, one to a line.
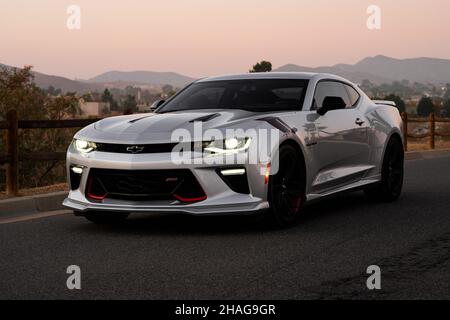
425	145
40	190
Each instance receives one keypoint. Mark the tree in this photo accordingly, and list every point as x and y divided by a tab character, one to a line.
398	101
167	91
447	92
106	110
18	91
446	108
167	88
52	91
129	104
87	97
59	108
263	66
366	85
108	97
425	107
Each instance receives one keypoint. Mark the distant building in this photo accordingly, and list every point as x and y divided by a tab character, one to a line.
94	109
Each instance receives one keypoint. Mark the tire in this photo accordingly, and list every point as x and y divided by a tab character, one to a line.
286	193
106	217
392	173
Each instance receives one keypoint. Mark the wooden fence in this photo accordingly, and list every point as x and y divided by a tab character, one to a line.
431	134
12	156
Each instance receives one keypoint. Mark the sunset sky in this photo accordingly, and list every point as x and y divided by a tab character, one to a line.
206	37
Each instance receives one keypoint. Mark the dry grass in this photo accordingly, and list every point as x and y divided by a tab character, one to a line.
40	190
425	145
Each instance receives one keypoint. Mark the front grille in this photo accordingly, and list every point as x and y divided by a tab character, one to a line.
138	148
144	185
146	148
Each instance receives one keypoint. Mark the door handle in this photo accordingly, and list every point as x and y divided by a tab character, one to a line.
359	122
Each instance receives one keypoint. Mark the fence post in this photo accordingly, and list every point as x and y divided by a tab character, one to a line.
405	129
432	130
12	149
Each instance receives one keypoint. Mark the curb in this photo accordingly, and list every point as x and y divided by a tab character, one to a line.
13	207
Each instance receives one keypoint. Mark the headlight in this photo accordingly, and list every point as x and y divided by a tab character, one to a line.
227	146
84	146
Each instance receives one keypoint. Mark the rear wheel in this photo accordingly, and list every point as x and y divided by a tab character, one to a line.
106	217
390	187
286	189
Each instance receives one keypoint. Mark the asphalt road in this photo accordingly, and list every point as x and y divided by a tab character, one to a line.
179	257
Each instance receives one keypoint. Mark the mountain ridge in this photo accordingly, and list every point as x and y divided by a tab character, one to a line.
383	69
377	69
142	76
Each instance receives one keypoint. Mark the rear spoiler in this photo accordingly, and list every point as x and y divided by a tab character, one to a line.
385	102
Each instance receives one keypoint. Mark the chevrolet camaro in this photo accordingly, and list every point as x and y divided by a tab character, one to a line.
326	136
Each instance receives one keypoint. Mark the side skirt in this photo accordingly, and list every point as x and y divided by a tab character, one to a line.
348	188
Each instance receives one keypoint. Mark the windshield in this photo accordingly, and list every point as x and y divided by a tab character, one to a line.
254	95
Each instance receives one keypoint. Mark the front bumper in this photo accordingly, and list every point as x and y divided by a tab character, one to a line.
221	200
240	208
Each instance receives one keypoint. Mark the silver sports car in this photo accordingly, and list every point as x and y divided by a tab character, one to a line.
262	143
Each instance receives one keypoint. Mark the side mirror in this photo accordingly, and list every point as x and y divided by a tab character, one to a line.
157	104
331	103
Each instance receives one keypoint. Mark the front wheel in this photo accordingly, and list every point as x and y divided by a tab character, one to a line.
392	172
106	217
286	192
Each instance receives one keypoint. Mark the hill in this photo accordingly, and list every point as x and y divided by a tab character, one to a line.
143	77
381	69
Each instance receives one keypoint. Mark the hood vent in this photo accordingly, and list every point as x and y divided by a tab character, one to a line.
136	120
206	118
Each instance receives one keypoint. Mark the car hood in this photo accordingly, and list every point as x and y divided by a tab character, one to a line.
158	127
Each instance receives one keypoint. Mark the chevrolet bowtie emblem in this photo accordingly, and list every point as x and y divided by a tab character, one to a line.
135	149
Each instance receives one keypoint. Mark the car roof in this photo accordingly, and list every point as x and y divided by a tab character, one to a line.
272	75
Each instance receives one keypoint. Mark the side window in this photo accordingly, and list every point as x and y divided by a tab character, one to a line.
330	89
354	95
